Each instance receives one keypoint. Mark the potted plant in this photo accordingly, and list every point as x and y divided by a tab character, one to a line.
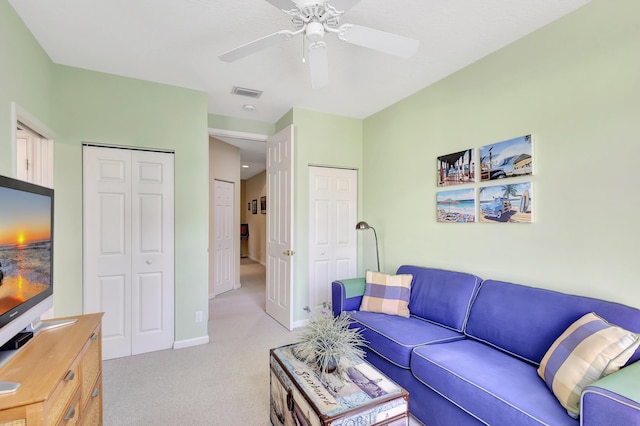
326	339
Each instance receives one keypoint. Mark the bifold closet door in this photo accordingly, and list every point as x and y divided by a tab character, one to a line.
129	247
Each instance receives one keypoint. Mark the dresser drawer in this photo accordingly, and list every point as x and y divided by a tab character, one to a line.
90	366
63	394
13	417
92	414
71	416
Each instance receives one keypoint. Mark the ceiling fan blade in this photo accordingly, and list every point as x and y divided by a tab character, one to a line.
343	5
382	41
318	64
283	4
255	46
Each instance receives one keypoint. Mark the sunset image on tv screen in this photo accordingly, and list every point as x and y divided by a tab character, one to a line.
25	246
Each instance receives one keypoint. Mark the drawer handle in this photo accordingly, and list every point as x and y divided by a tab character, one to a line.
94	336
70	376
71	413
95	393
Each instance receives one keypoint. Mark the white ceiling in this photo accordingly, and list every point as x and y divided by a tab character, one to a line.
176	42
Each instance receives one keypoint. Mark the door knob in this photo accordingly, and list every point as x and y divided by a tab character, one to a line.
288	252
149	261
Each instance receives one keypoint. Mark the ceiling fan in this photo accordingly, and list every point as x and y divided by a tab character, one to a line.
314	19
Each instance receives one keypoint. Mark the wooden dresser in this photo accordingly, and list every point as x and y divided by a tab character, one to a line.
60	376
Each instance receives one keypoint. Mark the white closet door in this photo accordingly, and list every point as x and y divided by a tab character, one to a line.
333	204
152	251
128	248
107	245
223	236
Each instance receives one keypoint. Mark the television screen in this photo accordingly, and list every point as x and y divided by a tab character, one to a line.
25	247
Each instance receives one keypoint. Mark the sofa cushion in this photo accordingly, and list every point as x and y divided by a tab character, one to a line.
589	349
394	337
441	296
387	294
492	386
525	321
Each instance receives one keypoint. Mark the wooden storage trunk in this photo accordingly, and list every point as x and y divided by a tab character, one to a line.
361	396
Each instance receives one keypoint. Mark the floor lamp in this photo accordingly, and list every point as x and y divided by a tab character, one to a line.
363	226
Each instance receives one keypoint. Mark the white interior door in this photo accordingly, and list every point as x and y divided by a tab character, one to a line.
333	251
280	226
128	248
152	240
223	236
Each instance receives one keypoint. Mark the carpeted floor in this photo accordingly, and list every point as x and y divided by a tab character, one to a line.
223	383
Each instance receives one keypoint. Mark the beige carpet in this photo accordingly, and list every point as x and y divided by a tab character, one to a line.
223	383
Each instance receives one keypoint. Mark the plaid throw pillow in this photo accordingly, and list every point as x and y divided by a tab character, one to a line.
589	349
387	294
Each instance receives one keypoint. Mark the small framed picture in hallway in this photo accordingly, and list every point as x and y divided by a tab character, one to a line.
254	206
263	204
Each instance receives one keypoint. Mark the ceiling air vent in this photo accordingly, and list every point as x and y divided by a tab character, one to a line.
243	91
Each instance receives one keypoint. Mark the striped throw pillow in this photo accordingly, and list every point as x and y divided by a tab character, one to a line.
387	294
589	349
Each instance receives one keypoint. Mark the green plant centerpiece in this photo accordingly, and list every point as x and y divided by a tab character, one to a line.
326	339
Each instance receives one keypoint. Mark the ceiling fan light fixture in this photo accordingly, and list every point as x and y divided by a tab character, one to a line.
314	31
314	19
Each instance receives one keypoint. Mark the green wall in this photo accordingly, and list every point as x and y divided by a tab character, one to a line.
574	86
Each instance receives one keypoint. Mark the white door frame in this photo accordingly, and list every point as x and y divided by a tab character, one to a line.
222	134
19	114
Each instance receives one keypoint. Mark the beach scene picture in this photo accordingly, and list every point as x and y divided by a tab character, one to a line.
457	168
506	159
511	203
25	247
456	205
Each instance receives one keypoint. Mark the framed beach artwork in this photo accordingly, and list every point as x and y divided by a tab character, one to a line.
456	205
510	203
457	168
506	159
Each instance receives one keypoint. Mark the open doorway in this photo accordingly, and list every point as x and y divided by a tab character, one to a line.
242	158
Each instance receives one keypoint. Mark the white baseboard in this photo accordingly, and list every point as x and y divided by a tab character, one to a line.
181	344
258	261
301	323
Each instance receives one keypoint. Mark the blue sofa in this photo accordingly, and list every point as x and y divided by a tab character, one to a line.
469	352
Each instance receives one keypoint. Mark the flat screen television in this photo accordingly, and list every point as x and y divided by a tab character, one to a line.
26	255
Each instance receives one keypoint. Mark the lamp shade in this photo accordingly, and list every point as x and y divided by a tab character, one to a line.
362	226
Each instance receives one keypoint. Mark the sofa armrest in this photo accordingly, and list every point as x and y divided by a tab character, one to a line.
346	295
614	399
